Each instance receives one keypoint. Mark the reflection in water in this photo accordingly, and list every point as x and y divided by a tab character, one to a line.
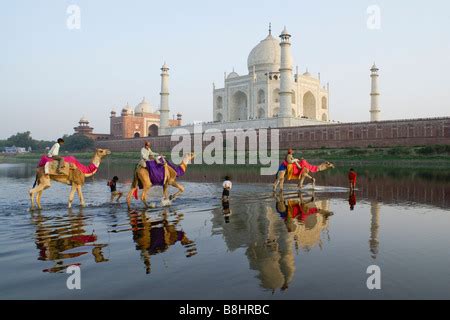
155	235
352	200
374	228
270	235
57	235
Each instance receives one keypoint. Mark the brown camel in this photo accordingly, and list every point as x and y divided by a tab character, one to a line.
170	179
305	174
70	175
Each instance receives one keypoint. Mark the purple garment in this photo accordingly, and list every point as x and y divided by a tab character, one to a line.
156	171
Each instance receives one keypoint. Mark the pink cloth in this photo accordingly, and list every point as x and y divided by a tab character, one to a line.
91	168
311	168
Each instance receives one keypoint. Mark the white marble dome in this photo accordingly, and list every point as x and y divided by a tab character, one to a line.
143	107
265	56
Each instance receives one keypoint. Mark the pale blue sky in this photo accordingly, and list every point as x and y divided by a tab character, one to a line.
50	76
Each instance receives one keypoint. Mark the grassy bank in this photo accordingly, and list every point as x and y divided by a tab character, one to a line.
438	155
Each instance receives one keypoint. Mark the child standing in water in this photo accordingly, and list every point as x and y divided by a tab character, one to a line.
227	185
352	179
114	193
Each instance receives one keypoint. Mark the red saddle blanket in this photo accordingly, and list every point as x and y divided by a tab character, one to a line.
91	168
293	172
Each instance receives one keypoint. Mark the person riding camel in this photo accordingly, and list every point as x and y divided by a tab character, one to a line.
290	159
147	154
54	154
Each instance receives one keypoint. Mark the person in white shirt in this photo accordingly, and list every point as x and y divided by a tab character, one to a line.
54	154
147	154
227	185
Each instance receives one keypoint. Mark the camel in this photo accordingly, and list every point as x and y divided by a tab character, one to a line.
170	179
280	176
70	175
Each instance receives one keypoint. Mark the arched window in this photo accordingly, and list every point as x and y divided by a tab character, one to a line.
219	102
239	106
261	96
276	95
309	105
219	117
137	134
261	113
153	130
324	103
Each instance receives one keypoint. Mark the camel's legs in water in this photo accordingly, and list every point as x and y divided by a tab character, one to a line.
71	195
144	195
165	191
38	199
281	179
179	187
129	196
276	182
43	184
80	195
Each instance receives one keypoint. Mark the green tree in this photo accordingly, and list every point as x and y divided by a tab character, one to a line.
21	139
78	142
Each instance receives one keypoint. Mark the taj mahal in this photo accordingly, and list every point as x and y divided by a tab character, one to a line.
270	95
259	94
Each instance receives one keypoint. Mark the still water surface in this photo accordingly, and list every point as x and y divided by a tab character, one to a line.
313	246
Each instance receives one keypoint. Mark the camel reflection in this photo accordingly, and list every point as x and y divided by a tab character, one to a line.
272	242
57	235
156	235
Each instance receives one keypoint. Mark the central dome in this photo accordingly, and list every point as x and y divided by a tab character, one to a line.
265	56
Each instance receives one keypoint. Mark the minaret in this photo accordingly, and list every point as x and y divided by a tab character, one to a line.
374	96
285	75
164	109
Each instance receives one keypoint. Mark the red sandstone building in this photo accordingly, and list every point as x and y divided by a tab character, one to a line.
139	122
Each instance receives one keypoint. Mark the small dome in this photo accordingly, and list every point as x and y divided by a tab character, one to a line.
285	32
232	75
84	120
127	109
143	107
265	56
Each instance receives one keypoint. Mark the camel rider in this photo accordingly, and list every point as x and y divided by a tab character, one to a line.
54	154
290	159
147	154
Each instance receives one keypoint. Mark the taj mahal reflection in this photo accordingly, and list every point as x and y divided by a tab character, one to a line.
273	235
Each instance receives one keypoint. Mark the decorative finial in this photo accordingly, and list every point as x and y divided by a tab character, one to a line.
270	28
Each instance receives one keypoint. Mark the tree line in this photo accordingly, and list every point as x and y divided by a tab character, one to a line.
74	142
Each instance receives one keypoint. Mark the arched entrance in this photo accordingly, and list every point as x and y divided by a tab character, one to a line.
219	117
137	135
239	106
153	130
309	105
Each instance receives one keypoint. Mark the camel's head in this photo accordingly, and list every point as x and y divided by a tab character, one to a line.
102	152
188	157
330	165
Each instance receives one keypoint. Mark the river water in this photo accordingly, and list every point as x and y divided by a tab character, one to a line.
300	246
